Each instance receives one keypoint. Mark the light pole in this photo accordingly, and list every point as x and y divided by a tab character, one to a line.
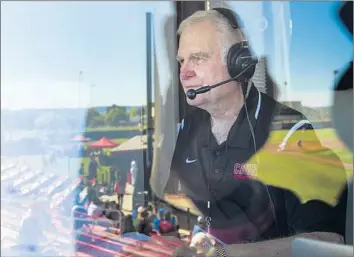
91	94
79	88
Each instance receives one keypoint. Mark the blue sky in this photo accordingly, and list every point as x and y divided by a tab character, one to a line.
45	45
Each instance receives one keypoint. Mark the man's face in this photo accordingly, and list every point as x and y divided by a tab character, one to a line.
199	55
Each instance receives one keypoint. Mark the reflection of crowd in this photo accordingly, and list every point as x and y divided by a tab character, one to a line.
115	181
147	221
143	220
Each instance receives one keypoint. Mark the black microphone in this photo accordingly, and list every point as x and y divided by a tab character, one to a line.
192	93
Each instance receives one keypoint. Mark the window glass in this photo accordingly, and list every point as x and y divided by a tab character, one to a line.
91	133
74	112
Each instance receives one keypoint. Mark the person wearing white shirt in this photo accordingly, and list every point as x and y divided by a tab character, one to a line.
134	171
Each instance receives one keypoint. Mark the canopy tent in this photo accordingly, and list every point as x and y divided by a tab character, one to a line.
134	144
80	138
104	142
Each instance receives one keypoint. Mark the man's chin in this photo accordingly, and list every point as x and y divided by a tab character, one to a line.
195	102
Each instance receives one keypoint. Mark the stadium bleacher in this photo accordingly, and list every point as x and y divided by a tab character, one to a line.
97	242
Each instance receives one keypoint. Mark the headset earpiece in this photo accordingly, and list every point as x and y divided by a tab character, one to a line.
239	54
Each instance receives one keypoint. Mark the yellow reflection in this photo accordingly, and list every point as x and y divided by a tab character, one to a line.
305	166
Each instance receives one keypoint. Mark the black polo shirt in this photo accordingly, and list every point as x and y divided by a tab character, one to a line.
242	207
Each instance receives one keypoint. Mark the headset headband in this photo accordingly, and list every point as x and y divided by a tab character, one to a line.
231	16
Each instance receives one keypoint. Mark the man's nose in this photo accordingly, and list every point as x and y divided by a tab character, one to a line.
186	74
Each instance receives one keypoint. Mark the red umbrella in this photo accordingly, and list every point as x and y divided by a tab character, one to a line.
104	142
80	138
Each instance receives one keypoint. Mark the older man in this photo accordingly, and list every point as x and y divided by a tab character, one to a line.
247	197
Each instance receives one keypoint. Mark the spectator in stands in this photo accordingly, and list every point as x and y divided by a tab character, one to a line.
139	211
171	218
112	179
115	215
165	224
144	226
121	183
95	209
114	205
201	222
92	193
135	211
156	221
92	170
82	169
127	225
106	209
152	215
133	171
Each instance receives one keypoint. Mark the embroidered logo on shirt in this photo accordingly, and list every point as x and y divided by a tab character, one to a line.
190	160
245	170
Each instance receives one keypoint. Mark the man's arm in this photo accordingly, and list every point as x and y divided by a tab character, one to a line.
277	247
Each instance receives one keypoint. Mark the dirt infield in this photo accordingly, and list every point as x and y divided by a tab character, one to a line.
333	144
291	146
308	147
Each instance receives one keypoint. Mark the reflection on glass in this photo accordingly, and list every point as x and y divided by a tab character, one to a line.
75	127
75	115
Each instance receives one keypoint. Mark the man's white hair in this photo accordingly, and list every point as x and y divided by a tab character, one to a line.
228	35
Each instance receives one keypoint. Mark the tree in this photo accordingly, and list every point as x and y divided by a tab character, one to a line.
133	112
97	121
91	115
115	115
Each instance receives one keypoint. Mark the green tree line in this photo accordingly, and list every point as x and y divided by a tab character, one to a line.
114	116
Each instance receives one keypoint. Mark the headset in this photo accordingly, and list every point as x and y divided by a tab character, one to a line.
239	54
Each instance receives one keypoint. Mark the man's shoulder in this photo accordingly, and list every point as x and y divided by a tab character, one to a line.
279	110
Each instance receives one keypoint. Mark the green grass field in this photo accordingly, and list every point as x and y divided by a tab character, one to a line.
328	138
322	134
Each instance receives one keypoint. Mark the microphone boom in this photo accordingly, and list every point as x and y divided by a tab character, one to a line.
192	93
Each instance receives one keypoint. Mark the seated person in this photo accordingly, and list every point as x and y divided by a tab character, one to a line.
136	219
127	225
106	208
144	226
152	215
116	215
201	222
156	221
95	209
165	224
251	192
